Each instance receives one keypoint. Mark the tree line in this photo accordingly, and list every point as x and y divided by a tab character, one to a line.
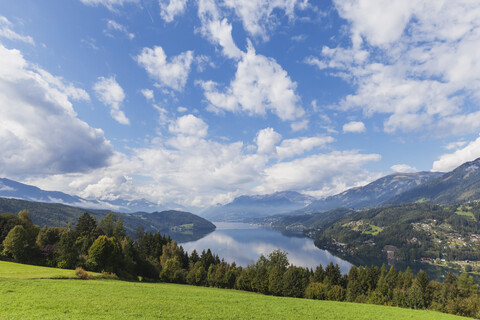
104	247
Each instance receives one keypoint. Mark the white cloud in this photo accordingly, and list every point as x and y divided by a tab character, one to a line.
403	168
39	128
171	8
324	174
415	63
163	118
450	161
110	93
7	32
266	140
172	73
391	18
354	127
299	125
182	109
148	94
217	30
115	26
109	4
189	125
455	145
259	16
260	84
292	147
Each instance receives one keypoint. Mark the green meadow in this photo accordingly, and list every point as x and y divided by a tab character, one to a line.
30	292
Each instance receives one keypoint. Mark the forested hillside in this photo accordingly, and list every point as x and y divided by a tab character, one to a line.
411	231
60	215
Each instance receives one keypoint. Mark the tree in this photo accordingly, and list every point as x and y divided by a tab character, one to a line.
86	225
119	229
16	244
139	233
107	224
169	251
295	281
278	258
105	254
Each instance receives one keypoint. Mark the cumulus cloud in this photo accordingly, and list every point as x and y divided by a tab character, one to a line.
7	32
321	174
259	16
172	73
450	161
415	63
403	168
110	93
267	139
109	4
189	125
191	169
354	127
115	26
39	128
216	29
260	84
293	147
169	9
148	94
455	145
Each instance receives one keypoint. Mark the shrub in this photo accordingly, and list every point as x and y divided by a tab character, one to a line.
82	274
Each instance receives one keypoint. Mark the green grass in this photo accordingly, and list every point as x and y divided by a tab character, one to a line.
22	298
374	230
466	213
12	270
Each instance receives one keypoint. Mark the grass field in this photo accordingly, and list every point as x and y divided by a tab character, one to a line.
24	295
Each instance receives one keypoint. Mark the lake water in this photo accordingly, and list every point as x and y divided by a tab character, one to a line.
244	243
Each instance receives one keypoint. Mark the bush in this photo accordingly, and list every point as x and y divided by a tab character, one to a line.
107	275
82	274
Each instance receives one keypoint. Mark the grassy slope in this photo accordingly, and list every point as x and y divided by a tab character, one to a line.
22	298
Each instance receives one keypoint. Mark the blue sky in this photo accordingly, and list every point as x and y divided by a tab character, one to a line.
198	101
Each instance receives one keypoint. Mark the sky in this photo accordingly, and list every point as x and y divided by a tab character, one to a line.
196	102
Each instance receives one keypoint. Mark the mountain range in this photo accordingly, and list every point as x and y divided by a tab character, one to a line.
250	207
374	193
460	185
17	190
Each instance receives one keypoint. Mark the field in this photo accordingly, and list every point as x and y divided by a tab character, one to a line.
28	292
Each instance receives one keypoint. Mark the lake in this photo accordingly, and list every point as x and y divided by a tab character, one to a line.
244	243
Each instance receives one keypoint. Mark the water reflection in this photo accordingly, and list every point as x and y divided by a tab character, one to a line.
243	244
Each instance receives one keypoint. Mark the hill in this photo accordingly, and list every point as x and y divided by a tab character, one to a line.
459	185
411	231
45	298
176	223
249	207
374	193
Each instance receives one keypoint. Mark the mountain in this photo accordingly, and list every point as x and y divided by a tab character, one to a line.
373	193
180	225
17	190
459	185
249	207
13	189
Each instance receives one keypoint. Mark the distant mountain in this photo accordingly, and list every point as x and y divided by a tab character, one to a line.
459	185
374	193
13	189
184	225
17	190
249	207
